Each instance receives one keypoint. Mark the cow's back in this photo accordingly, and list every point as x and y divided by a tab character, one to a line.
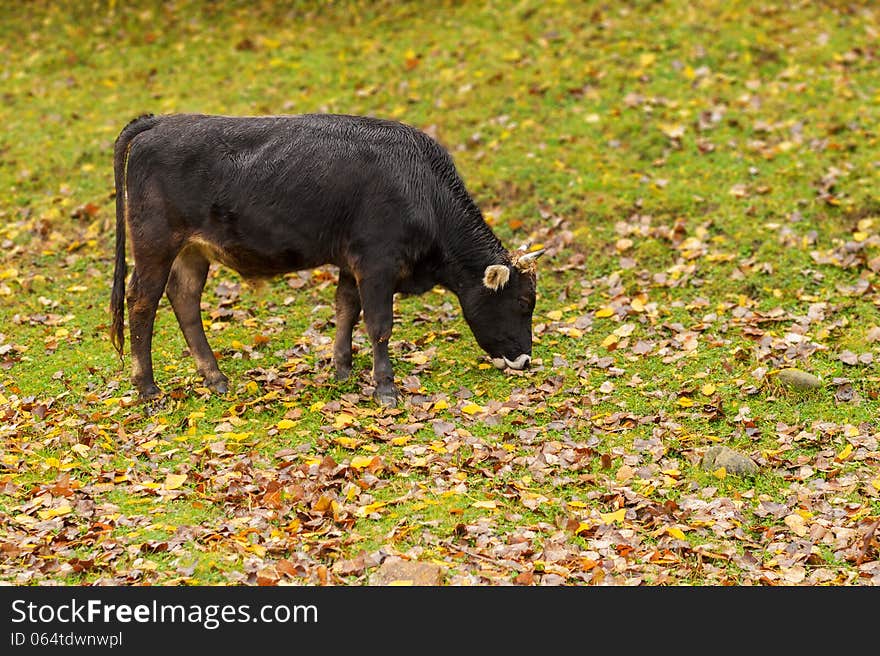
292	191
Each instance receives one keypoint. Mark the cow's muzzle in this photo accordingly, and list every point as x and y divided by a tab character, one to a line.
522	362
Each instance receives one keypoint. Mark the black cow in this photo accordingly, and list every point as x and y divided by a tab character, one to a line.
272	194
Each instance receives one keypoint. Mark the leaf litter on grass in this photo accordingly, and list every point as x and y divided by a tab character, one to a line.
702	178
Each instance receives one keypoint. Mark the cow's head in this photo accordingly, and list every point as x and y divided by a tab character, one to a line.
499	310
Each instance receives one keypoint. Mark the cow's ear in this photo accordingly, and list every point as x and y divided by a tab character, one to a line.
496	276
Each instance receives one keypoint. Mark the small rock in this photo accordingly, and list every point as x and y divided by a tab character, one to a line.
395	571
797	379
733	462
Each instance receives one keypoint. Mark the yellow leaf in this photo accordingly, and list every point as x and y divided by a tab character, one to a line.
149	444
53	462
472	409
797	524
583	527
606	311
708	389
316	406
342	420
174	481
440	405
251	387
51	513
9	459
400	440
370	508
490	505
347	442
673	131
360	462
720	473
81	449
555	315
616	516
285	424
685	401
677	533
27	520
610	340
845	453
647	59
876	483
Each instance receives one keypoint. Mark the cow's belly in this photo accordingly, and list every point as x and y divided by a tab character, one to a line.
256	263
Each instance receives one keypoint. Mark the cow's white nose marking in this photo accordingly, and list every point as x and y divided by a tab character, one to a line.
520	363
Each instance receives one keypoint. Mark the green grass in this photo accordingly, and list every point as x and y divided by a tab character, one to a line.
705	178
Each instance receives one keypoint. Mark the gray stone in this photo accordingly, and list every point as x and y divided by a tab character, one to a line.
732	461
395	571
797	379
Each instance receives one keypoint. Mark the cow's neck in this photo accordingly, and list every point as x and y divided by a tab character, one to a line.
471	246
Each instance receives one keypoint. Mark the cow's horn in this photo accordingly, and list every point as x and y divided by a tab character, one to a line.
530	257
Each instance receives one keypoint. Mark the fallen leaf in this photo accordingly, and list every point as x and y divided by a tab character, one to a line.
616	516
174	481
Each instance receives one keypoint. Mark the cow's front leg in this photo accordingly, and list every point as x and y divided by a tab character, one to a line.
348	308
377	298
184	290
144	291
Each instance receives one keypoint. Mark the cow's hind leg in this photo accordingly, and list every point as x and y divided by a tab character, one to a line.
185	285
377	298
145	288
348	308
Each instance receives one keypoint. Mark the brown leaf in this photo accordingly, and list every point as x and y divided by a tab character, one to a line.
525	578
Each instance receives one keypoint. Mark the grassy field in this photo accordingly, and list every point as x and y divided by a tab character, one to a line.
704	176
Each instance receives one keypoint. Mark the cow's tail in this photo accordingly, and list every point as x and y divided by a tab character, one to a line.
120	270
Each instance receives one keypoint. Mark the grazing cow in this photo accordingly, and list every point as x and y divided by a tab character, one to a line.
269	195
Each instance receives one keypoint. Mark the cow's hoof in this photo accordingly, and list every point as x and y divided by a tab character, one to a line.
386	397
149	393
218	386
342	373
